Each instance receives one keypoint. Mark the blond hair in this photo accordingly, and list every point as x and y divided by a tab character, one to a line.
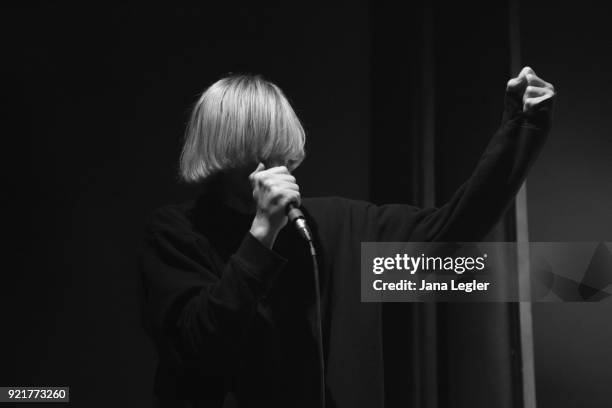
238	121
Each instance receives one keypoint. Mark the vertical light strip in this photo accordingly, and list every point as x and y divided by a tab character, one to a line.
428	315
428	94
522	238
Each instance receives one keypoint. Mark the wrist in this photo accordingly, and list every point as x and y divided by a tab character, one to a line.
263	231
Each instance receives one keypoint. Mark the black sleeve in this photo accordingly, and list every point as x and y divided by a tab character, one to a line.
197	311
479	203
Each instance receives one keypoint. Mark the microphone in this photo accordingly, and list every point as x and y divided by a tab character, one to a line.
297	219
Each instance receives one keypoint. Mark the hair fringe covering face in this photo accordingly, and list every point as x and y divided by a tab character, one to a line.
240	121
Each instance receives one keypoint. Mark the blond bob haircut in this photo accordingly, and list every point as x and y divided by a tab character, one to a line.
240	121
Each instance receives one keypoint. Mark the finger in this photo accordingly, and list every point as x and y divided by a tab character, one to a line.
278	170
254	176
534	80
273	172
290	186
517	83
535	91
266	179
284	177
522	76
283	186
294	198
527	71
520	80
532	103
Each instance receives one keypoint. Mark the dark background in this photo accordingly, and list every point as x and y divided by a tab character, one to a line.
98	102
570	195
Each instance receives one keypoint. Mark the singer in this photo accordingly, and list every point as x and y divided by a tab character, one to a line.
230	299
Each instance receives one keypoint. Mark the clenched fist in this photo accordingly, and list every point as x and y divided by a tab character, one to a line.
273	189
533	89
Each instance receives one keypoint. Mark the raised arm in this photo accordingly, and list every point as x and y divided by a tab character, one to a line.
479	203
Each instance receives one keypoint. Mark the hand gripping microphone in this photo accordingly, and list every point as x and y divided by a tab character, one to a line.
297	219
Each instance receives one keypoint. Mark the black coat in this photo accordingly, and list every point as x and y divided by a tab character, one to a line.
234	321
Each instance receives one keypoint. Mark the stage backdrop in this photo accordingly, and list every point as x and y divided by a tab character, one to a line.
101	97
570	194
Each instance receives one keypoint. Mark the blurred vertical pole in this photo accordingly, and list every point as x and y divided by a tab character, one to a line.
403	95
426	315
522	239
428	100
479	358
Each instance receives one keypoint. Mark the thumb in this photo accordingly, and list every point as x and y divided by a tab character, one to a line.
519	82
260	167
526	71
516	86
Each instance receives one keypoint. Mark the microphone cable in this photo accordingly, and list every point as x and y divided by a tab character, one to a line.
296	217
319	318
